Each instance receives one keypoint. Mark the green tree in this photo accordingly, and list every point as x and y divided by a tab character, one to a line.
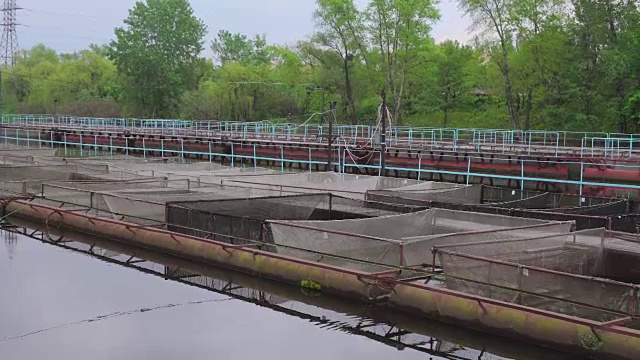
237	47
398	30
453	66
632	108
337	21
493	18
157	51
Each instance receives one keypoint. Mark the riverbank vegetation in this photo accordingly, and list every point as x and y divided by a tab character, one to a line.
544	64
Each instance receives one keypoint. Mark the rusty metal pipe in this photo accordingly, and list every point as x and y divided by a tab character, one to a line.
513	320
247	259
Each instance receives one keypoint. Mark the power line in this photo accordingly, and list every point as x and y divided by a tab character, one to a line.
64	30
9	43
58	37
53	12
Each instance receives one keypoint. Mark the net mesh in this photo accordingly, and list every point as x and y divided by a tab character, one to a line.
151	203
237	220
416	247
560	267
480	196
140	198
458	195
554	202
540	201
29	178
395	240
12	151
346	185
338	249
611	208
582	221
206	172
78	192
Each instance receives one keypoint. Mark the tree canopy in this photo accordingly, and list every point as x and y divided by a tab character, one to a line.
541	64
157	53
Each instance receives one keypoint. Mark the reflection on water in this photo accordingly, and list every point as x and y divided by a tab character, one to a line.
10	242
59	303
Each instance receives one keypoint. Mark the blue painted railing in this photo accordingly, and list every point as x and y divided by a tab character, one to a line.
33	138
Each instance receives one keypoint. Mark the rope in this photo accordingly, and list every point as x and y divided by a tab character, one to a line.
355	158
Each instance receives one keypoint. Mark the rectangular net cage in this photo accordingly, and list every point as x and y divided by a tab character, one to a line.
206	172
539	199
396	240
470	194
151	203
29	178
556	272
14	153
170	168
346	185
144	199
241	221
90	192
604	211
482	195
550	202
23	158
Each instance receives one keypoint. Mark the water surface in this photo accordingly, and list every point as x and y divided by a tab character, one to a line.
56	303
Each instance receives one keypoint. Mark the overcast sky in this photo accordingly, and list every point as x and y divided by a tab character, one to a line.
70	25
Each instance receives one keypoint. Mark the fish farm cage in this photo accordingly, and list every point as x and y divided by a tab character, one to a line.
571	266
589	163
507	260
593	212
204	172
398	239
38	172
241	221
145	199
347	185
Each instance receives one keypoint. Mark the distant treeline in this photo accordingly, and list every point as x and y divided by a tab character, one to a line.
544	64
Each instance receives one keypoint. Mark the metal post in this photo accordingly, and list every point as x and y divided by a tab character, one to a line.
255	160
233	158
383	135
468	169
581	179
330	135
521	179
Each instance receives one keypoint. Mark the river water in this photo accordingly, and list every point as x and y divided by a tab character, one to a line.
58	303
